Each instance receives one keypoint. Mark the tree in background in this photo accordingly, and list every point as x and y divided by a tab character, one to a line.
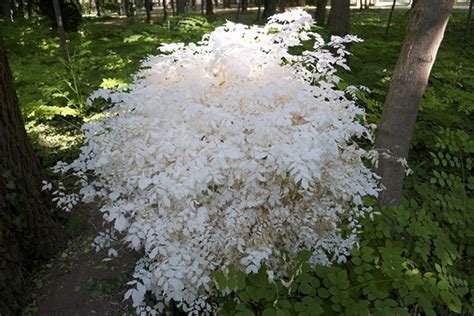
269	8
209	7
180	7
282	6
426	25
70	12
28	229
339	17
320	14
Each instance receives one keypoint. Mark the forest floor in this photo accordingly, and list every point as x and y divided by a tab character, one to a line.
81	281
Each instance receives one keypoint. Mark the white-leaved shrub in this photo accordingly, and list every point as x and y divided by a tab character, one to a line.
228	152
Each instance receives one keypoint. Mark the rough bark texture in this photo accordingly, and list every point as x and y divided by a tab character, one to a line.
339	17
269	8
320	14
425	31
27	229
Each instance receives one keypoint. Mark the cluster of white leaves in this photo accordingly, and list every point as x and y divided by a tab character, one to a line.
229	152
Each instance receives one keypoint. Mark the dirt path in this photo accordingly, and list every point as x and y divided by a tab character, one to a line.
79	282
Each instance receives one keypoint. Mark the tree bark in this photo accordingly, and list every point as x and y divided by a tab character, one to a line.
339	17
282	6
269	8
28	230
426	25
148	7
62	34
387	29
320	14
6	10
97	7
209	7
180	7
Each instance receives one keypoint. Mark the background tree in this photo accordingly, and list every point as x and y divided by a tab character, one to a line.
425	31
28	229
282	5
148	8
62	34
180	7
320	14
339	17
209	7
6	10
269	8
387	29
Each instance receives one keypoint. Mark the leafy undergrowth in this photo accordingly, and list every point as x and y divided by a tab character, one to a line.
413	259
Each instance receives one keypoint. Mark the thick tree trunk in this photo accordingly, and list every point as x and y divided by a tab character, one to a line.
387	29
269	8
320	14
339	17
209	7
425	31
62	34
27	229
180	7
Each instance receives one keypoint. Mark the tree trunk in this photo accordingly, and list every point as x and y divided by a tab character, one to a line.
414	2
469	14
165	12
29	8
245	5
62	34
259	9
27	229
425	31
320	15
339	17
180	7
97	7
148	7
282	6
21	9
390	18
209	7
6	10
269	8
173	11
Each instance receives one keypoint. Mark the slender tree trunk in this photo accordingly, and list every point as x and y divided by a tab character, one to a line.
469	14
173	11
269	8
339	17
387	29
21	9
180	7
127	9
29	8
28	231
320	15
259	9
209	7
148	4
282	6
165	12
62	34
245	5
97	7
425	31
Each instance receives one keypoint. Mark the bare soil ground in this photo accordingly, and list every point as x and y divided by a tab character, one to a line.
79	282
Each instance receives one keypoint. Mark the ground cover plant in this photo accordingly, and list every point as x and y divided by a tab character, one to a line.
413	259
